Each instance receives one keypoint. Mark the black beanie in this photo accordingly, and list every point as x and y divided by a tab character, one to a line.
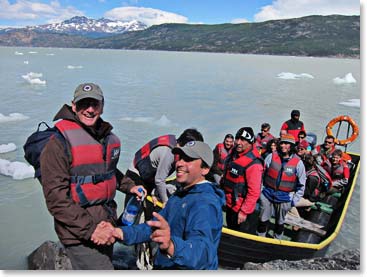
247	133
295	113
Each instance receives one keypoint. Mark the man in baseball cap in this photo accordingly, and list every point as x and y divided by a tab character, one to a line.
88	103
88	90
192	214
74	160
196	150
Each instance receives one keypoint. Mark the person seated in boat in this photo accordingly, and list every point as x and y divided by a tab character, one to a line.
220	152
302	137
314	186
271	146
338	170
293	126
188	229
242	179
322	152
263	138
283	187
302	149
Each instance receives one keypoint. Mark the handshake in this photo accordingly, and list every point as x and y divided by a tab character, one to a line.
106	234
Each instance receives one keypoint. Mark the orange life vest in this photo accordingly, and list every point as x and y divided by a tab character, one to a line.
93	165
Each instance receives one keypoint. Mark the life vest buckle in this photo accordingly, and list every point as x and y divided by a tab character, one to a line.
98	178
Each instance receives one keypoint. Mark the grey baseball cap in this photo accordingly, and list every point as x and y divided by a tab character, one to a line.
88	90
196	150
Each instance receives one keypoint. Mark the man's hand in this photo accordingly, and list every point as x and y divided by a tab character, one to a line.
103	234
161	233
241	217
135	190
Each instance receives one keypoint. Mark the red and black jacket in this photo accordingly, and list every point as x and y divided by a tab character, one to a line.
234	182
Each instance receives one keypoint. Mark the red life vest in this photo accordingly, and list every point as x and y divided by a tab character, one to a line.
93	165
223	153
288	178
142	160
261	142
314	173
235	184
337	171
325	155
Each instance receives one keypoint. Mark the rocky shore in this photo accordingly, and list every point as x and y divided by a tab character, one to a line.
51	256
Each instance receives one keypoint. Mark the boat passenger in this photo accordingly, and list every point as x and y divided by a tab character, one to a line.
338	170
284	185
271	146
263	138
322	152
302	148
220	152
314	186
242	179
189	228
293	126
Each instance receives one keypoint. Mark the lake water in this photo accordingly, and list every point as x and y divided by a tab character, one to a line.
150	93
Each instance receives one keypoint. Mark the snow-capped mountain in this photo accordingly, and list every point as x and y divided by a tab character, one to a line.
81	25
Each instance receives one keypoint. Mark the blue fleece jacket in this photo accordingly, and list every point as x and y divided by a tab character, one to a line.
195	218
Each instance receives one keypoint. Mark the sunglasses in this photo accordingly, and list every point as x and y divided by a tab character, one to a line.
301	137
329	142
264	130
301	148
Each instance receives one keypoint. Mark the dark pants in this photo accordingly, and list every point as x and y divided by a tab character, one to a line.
90	256
232	221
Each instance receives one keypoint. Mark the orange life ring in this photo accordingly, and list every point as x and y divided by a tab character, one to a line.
330	125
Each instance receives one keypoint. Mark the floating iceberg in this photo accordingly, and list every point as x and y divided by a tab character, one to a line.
348	79
162	121
74	66
12	117
352	103
16	170
34	78
5	148
292	76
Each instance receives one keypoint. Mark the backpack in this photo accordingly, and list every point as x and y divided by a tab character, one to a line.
324	176
36	142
